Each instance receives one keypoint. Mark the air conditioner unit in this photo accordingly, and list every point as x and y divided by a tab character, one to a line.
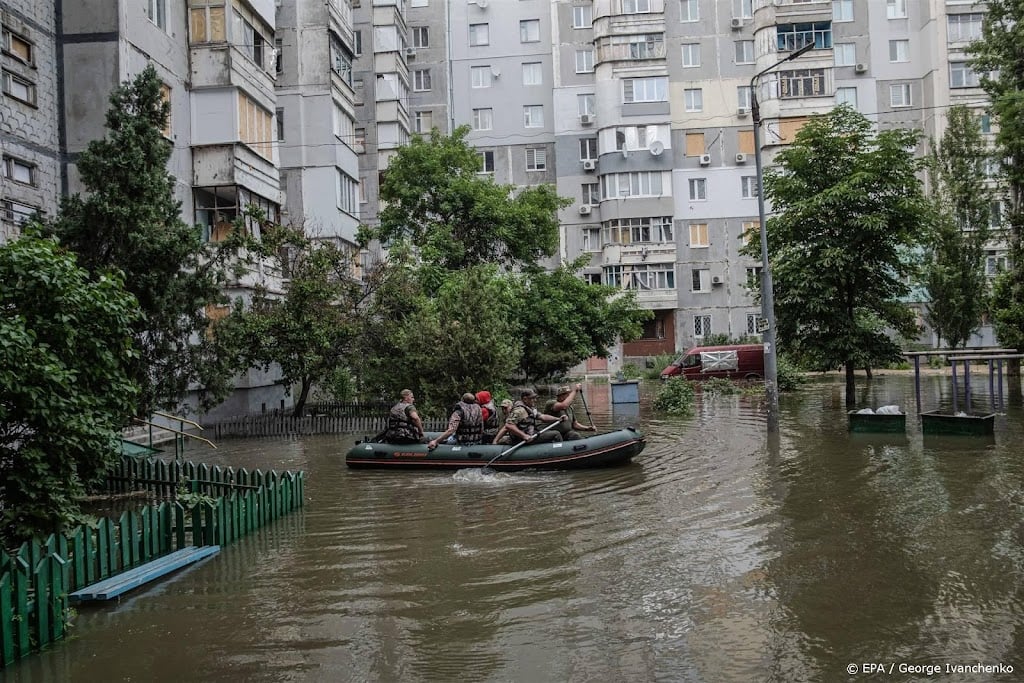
410	52
741	158
586	119
716	280
705	159
742	112
585	210
589	164
737	22
861	68
358	148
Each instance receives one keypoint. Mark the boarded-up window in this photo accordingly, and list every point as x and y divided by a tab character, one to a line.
788	128
254	126
207	24
746	141
215	312
694	144
165	95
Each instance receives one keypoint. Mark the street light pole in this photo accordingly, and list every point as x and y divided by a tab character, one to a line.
771	366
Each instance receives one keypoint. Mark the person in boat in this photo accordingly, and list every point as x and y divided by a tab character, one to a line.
466	423
404	423
502	436
523	422
492	421
561	405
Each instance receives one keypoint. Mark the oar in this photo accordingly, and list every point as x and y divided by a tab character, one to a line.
589	416
509	450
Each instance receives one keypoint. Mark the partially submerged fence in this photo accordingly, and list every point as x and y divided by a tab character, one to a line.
318	418
36	580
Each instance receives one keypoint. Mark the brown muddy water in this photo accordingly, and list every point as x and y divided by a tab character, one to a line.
719	555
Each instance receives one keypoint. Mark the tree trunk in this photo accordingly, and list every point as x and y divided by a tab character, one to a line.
867	371
300	401
851	395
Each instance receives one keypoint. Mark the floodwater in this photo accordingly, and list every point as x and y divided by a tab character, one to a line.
719	555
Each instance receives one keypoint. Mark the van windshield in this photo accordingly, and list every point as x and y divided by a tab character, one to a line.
691	361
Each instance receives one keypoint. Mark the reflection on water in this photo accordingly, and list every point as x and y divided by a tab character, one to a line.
720	555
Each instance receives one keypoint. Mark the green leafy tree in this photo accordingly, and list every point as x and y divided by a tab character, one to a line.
130	220
998	56
64	391
954	274
565	320
310	329
435	197
849	210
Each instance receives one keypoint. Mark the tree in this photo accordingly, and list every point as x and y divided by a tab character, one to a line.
565	320
130	221
849	210
997	55
435	197
64	389
310	330
954	274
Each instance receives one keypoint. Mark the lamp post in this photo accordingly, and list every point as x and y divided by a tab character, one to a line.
771	366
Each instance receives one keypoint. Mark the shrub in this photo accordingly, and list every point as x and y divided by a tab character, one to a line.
630	371
790	375
658	363
675	397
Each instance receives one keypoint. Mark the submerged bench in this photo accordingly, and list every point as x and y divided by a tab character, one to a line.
144	573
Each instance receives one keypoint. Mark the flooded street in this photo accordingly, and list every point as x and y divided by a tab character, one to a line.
718	555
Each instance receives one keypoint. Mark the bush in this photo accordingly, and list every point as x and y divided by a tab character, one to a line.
675	397
790	375
660	362
631	371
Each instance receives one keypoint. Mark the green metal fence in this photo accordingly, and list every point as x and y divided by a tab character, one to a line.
36	580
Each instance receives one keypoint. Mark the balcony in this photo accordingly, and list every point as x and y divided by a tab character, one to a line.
235	164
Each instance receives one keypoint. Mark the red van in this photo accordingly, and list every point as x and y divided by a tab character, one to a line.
738	361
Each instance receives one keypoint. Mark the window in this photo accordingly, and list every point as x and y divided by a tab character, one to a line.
529	31
651	89
743	96
899	50
689	10
250	39
421	80
847	96
636	6
420	36
588	148
483	119
633	184
701	325
748	187
156	10
19	171
423	121
845	54
165	95
591	193
254	126
279	59
207	24
995	215
698	189
591	239
694	99
753	281
17	212
752	328
347	191
18	47
582	16
963	27
995	263
899	95
842	10
639	230
750	230
584	61
801	83
532	73
480	76
536	159
896	9
985	123
961	75
479	35
699	235
744	9
19	88
487	161
533	116
641	276
344	125
790	37
745	141
413	3
585	104
341	59
700	280
691	54
744	51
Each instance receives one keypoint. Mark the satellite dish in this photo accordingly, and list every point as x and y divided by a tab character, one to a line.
482	4
657	147
495	71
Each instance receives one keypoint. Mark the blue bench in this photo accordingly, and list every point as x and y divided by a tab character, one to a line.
144	573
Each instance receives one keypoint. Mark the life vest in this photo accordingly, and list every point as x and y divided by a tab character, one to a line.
399	424
471	425
529	424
